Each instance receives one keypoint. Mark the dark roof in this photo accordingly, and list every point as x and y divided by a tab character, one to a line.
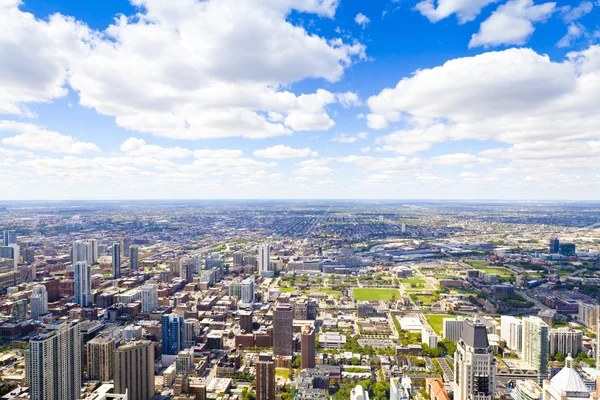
475	335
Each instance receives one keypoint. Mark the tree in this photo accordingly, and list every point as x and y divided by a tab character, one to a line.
559	356
355	361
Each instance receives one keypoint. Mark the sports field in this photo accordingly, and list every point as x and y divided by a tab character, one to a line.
375	294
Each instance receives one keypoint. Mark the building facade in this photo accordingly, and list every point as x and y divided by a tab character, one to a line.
474	365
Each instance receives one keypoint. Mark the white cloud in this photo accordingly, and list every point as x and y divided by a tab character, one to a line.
345	138
313	167
138	147
574	32
283	152
218	153
465	10
362	20
511	23
33	137
348	99
570	14
462	159
512	96
35	56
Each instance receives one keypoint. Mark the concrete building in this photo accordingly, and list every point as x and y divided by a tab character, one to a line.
452	328
9	237
149	294
535	345
101	358
246	320
134	370
359	393
283	317
83	284
264	260
474	365
39	301
116	260
54	362
566	385
429	337
134	258
588	314
511	331
566	341
307	346
265	378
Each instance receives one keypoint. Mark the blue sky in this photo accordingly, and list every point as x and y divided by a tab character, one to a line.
432	99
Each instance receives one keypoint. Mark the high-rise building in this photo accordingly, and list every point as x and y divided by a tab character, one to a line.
92	251
535	345
101	358
190	330
12	252
149	293
172	334
554	245
116	260
566	341
54	362
9	237
134	370
19	309
307	345
247	290
245	321
83	284
184	363
264	260
474	365
588	314
283	317
238	258
78	251
511	330
134	258
452	328
39	301
28	255
125	244
265	378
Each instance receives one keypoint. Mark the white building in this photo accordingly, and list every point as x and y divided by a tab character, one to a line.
565	340
92	251
79	251
452	328
429	337
535	345
474	365
566	385
39	301
511	331
247	290
588	314
359	393
400	388
264	260
149	293
83	284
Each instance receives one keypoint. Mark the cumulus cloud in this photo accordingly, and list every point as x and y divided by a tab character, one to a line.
217	153
511	23
283	152
465	10
574	32
362	20
512	96
313	167
345	138
34	137
139	147
570	14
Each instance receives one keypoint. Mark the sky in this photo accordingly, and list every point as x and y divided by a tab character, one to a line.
295	99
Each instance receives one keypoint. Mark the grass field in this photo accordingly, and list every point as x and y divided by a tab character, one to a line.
424	299
410	281
287	289
375	294
282	373
502	272
437	321
478	264
322	290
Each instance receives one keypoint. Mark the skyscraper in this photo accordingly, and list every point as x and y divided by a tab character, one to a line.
245	320
282	330
535	345
264	260
512	332
307	344
78	251
101	358
247	290
190	329
566	341
92	251
554	245
116	260
474	365
134	258
265	378
54	361
12	252
149	297
9	237
134	370
172	334
83	284
39	301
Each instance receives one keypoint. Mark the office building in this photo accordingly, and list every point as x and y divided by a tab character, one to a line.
359	393
134	370
452	328
264	260
184	363
554	245
39	301
535	345
78	251
282	330
429	337
307	345
265	378
9	237
101	358
238	258
567	249
149	294
28	255
54	362
511	331
588	314
247	291
245	321
92	251
19	309
474	365
12	252
172	334
134	258
190	332
83	284
116	260
566	341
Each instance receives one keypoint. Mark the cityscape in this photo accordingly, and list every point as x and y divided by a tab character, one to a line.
299	300
300	199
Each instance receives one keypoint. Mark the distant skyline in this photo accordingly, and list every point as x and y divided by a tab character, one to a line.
300	99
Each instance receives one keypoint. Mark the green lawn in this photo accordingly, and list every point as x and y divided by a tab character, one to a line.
375	294
282	373
328	291
437	321
410	281
502	272
425	299
287	289
478	264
